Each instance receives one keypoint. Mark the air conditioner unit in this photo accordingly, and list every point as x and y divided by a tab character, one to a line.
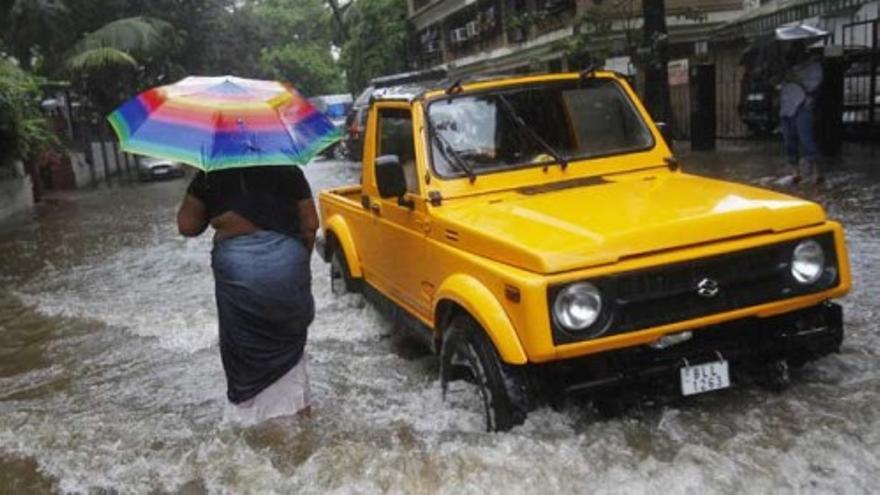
473	29
458	35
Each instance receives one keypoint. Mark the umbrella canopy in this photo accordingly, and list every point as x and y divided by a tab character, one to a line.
215	123
801	32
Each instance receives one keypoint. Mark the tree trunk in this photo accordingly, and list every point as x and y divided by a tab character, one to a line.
656	79
337	14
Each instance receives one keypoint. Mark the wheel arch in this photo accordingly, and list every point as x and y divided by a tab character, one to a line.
338	233
465	294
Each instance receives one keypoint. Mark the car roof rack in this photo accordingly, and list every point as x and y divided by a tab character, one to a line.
408	78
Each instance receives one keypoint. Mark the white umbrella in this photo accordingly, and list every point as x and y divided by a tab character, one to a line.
801	32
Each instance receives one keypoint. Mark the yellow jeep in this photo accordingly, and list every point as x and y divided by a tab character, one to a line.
539	234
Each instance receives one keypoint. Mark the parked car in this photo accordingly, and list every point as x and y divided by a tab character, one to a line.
335	107
385	86
355	122
540	237
158	168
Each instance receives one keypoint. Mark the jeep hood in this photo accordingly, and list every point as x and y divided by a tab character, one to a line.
570	228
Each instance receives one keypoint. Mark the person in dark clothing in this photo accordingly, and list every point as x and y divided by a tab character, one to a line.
265	221
797	102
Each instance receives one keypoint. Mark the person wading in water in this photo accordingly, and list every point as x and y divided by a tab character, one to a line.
265	221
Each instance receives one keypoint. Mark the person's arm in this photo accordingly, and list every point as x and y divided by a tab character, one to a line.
192	217
308	221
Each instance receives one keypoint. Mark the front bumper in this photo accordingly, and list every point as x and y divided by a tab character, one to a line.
749	345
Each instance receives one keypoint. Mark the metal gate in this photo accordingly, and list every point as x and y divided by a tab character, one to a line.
861	80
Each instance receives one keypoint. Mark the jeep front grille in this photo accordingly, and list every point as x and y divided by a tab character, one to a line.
682	291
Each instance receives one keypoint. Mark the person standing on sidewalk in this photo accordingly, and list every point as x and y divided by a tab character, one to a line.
797	102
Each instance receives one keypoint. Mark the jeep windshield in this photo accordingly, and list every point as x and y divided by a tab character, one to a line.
536	125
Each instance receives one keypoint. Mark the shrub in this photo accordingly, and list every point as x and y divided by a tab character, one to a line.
23	128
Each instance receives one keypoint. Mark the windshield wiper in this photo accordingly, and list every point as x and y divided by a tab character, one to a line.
449	152
521	124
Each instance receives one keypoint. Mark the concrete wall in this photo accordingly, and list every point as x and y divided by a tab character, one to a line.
16	194
82	171
116	163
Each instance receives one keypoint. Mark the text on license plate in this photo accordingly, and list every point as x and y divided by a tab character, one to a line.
706	377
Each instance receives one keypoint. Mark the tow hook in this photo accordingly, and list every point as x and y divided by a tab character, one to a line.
776	376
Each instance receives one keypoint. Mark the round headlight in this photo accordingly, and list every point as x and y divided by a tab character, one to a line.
577	306
807	262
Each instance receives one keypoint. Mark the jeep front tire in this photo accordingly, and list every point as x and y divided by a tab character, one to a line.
468	354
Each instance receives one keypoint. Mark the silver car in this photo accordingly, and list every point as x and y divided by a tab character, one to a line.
158	168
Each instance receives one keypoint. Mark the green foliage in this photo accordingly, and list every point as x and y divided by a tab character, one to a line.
28	27
297	38
121	58
377	43
308	66
114	48
23	129
101	57
290	21
142	37
600	23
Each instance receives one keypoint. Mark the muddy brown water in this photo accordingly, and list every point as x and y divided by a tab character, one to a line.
110	379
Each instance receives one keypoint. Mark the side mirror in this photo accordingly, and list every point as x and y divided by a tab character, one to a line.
389	177
666	132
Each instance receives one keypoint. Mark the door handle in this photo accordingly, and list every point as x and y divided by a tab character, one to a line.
375	208
423	225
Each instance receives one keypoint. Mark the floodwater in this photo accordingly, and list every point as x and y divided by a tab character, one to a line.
110	379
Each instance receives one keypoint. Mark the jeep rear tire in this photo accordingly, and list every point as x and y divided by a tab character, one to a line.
468	354
341	281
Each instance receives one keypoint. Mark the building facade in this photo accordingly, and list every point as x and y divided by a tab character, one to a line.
522	36
491	36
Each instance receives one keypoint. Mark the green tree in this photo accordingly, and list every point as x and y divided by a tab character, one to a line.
309	67
377	43
122	58
27	27
23	129
298	41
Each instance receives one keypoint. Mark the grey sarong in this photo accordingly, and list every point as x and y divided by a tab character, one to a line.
264	305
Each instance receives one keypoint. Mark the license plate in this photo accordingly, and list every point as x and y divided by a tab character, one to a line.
707	377
160	171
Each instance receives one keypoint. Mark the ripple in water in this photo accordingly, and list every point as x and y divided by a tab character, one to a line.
122	389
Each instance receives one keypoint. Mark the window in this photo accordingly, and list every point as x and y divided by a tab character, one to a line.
575	119
396	138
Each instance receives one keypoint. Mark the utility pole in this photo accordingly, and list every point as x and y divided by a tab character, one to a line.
656	78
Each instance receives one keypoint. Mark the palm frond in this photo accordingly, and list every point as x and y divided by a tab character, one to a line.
100	58
136	36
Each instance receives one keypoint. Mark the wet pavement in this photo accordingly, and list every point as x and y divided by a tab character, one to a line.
110	377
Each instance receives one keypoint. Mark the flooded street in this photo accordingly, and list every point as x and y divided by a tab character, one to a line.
110	378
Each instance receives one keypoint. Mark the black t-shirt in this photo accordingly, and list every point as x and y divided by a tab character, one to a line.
266	196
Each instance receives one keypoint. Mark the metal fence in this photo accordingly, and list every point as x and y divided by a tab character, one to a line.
861	102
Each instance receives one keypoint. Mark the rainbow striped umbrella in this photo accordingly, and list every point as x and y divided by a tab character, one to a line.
216	123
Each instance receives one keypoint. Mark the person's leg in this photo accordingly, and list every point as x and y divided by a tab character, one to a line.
790	144
807	139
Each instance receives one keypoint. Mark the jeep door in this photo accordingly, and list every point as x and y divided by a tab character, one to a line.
401	229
